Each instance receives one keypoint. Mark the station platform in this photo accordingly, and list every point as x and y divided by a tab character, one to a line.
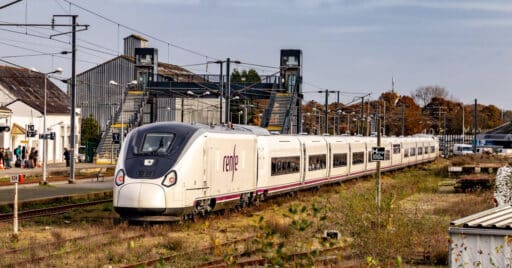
53	169
54	190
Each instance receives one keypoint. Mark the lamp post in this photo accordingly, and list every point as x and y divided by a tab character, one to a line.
462	123
338	114
197	96
348	122
45	142
239	114
244	106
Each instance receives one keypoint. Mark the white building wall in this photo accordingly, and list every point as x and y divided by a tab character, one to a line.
473	249
5	97
23	115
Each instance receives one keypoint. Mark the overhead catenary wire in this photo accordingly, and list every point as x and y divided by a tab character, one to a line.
59	41
138	31
38	51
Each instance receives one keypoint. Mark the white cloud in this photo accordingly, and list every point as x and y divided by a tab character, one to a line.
350	29
485	22
489	6
477	5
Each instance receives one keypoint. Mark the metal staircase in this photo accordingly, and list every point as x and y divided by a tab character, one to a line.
280	110
127	117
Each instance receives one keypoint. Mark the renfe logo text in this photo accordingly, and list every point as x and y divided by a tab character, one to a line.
230	162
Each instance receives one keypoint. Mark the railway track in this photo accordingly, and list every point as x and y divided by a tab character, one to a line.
28	214
43	258
151	262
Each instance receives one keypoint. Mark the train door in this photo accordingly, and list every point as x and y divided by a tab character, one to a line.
349	158
211	159
329	160
303	162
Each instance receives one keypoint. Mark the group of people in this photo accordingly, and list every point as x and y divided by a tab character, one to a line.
22	158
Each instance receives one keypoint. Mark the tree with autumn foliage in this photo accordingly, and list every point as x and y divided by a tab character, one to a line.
489	117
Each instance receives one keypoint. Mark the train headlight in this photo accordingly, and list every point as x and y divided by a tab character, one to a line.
119	179
170	179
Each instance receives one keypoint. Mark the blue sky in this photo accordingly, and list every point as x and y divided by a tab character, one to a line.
348	45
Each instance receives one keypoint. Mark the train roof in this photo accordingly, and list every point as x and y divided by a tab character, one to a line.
186	127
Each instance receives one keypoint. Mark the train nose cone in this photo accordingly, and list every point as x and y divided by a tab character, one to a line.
142	195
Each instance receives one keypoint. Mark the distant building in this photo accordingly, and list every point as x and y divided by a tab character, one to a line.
497	137
22	110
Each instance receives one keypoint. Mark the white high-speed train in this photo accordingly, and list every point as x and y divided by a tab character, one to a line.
168	170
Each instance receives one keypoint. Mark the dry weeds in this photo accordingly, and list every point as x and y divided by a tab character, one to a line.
412	225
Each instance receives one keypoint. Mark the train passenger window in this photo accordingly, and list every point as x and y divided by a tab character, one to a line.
157	142
396	148
357	158
412	151
406	152
317	162
284	165
420	150
432	149
425	150
339	160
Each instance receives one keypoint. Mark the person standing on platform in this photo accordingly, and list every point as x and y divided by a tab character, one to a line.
31	158
2	155
17	152
35	157
66	156
8	157
23	153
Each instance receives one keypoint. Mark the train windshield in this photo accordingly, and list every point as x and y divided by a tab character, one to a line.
158	143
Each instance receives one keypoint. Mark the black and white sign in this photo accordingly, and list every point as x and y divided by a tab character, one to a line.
14	178
378	153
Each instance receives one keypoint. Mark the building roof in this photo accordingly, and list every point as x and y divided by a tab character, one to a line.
28	87
494	218
175	72
18	130
178	73
136	36
503	129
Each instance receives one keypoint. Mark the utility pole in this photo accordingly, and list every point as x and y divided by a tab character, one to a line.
73	94
326	125
445	147
384	120
73	100
475	121
336	112
360	125
221	91
378	183
362	114
403	119
228	94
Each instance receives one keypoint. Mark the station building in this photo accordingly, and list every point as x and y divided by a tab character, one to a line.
98	97
22	112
